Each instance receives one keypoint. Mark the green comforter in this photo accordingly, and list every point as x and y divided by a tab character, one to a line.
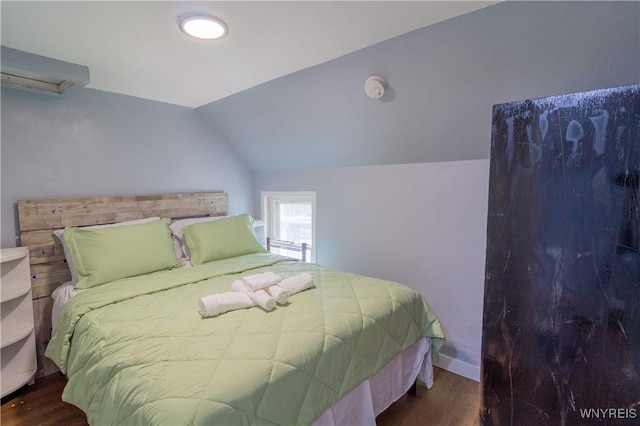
136	351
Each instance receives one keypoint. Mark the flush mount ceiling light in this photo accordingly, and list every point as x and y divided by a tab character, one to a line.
204	27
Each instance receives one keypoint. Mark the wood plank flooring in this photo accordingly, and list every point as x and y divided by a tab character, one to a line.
41	404
453	400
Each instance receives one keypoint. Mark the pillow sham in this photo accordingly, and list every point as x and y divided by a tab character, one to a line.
106	254
59	233
222	239
182	251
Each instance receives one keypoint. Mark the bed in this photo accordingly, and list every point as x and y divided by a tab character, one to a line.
137	350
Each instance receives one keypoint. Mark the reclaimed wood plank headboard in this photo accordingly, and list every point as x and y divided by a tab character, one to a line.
39	218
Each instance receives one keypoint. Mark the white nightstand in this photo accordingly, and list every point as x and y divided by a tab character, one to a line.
18	340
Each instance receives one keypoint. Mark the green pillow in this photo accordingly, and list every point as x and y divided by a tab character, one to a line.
106	254
222	239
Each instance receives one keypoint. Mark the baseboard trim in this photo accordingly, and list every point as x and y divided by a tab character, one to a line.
459	367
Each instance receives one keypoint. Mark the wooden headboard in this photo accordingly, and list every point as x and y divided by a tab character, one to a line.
39	218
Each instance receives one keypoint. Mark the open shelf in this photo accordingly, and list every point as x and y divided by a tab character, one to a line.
13	336
17	338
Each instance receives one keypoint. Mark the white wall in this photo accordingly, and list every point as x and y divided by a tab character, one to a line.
423	225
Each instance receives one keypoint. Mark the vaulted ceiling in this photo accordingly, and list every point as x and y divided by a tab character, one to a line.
285	87
135	47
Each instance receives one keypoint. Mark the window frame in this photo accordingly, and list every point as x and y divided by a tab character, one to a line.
269	199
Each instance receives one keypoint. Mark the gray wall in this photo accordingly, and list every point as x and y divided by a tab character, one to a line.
424	224
443	81
421	224
100	143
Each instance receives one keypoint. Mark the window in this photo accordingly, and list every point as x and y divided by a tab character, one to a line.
289	219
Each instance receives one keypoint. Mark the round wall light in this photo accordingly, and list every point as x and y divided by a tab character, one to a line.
203	27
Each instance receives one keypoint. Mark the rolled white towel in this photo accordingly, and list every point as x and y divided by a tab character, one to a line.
297	283
239	285
263	299
260	281
216	304
259	297
279	293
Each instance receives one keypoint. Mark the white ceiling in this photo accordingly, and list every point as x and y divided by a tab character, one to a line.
136	48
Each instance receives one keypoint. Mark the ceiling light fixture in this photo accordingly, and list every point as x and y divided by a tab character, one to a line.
203	27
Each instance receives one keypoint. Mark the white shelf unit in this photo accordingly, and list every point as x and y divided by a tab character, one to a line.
17	338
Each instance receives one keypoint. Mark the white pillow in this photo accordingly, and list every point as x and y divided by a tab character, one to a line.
179	243
67	252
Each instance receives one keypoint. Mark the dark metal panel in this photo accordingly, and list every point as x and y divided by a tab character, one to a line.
561	329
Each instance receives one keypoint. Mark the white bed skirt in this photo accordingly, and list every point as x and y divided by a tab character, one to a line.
373	396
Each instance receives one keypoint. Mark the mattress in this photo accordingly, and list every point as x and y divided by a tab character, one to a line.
137	351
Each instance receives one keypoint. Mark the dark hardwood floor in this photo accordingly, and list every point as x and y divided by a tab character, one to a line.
40	404
453	400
